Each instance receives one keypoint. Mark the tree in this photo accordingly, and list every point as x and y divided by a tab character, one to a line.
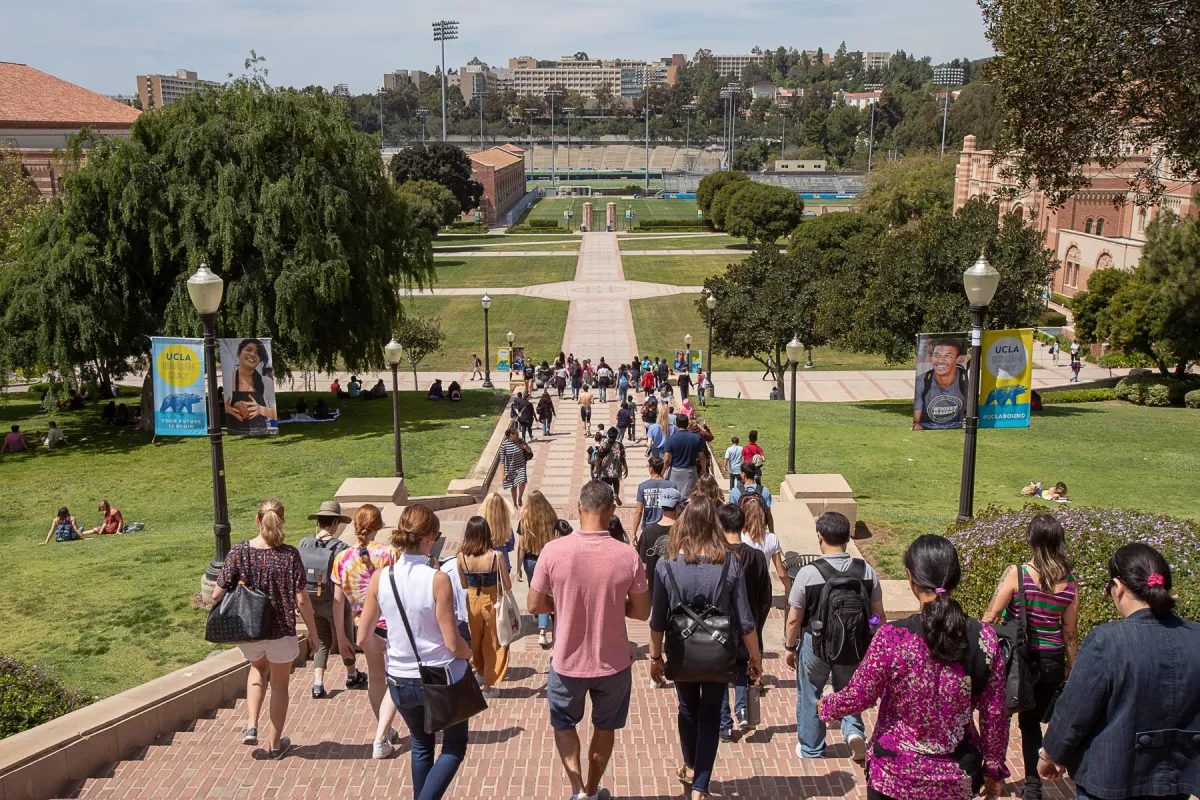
18	197
912	187
1090	308
442	163
431	205
843	246
1085	80
420	337
723	198
764	213
710	184
273	188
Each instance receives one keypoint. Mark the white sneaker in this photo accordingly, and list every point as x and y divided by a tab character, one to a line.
858	746
380	749
542	640
393	736
491	691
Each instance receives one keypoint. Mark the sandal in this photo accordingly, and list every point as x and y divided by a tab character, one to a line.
686	775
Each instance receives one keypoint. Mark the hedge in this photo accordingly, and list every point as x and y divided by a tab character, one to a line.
1192	399
29	697
1078	396
996	539
691	224
1053	319
1123	360
1060	299
1156	390
544	224
464	226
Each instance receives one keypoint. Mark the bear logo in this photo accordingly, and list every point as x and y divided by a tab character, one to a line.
180	403
1004	394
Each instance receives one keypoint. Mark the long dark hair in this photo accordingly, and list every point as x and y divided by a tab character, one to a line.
264	363
1049	548
932	564
1145	572
477	537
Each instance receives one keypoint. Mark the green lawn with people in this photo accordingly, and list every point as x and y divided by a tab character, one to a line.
486	271
650	241
1111	454
668	319
112	612
677	270
538	325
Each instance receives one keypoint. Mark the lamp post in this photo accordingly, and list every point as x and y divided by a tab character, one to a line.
689	109
711	302
980	282
486	302
422	114
687	356
479	96
871	140
206	289
794	351
393	351
443	30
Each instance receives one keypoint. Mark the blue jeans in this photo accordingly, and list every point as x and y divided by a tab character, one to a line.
545	427
526	431
809	727
603	394
735	478
530	563
699	731
430	779
740	681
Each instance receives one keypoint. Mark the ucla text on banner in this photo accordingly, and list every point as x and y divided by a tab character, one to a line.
179	386
1006	379
249	381
503	362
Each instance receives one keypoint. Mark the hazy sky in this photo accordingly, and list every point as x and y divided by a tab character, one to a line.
103	44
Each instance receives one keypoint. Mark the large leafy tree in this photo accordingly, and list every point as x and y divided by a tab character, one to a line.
912	187
273	188
442	163
764	213
1083	80
432	205
712	183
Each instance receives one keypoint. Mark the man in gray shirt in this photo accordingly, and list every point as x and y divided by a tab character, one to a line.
833	534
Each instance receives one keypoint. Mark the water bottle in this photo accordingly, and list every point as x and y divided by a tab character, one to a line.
753	708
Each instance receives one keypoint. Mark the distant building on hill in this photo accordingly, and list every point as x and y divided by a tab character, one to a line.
156	91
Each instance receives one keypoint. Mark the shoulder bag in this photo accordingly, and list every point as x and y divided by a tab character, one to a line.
446	704
700	644
243	615
1018	659
508	613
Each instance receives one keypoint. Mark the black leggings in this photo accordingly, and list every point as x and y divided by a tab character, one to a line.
1051	666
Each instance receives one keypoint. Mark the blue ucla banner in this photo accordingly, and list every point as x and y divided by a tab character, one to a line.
1006	379
179	387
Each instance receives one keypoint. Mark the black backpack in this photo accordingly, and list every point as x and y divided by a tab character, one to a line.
318	557
700	643
755	495
841	627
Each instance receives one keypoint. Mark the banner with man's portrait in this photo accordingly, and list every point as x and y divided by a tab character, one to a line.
249	387
940	396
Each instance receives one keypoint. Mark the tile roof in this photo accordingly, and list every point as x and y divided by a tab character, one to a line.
28	96
512	148
496	157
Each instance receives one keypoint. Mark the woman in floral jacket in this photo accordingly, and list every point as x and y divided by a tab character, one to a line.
929	673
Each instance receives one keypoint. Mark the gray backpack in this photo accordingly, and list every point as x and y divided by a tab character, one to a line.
318	556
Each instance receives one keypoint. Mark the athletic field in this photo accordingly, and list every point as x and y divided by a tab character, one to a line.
553	208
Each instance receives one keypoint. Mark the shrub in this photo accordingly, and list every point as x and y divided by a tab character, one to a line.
1053	319
467	226
1156	390
996	539
1078	396
1060	299
1122	360
1157	394
1192	399
690	224
544	224
29	697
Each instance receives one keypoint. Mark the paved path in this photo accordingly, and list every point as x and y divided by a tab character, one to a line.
599	323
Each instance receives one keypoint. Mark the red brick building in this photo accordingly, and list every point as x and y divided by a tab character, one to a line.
38	112
501	172
1099	227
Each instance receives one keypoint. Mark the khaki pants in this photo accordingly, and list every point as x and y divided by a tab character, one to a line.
489	658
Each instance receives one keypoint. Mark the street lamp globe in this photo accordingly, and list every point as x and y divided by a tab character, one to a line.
795	350
486	302
688	340
980	281
206	289
711	302
511	337
393	351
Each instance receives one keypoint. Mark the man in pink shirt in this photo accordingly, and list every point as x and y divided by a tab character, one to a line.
590	582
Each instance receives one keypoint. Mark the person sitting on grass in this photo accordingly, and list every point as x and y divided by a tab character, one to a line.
435	391
64	528
379	390
301	407
14	442
55	436
122	415
109	413
321	409
455	391
113	523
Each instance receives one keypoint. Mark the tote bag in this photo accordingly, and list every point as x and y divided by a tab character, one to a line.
243	615
508	613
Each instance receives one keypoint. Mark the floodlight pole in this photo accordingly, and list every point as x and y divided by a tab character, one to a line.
442	30
871	140
380	93
646	86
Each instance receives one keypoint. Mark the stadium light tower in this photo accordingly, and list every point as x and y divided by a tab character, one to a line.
422	114
646	89
479	95
947	77
734	92
784	107
689	110
530	112
551	96
443	30
725	125
568	112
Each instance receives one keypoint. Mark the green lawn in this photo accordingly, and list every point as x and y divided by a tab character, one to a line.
906	482
514	244
677	270
659	322
665	242
114	612
538	325
484	271
553	208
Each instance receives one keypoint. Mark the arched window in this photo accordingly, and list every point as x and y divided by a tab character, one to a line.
1087	225
1142	220
1100	227
1071	270
1020	212
1104	261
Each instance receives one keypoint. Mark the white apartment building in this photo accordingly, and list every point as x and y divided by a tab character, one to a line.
156	91
876	59
733	65
585	80
861	99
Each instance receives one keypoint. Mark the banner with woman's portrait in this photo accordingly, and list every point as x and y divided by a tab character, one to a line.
249	387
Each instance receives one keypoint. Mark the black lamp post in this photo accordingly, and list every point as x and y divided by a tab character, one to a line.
711	302
794	351
486	302
206	289
980	282
393	352
687	355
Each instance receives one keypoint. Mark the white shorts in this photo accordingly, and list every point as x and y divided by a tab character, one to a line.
283	650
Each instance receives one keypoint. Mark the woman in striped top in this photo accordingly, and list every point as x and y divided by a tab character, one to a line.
1053	605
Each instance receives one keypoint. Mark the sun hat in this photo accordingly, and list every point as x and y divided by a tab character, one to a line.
330	508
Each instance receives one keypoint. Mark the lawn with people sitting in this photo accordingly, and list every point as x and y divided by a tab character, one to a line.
488	271
112	612
536	323
677	270
1110	454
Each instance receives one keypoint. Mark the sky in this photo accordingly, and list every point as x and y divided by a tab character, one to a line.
103	45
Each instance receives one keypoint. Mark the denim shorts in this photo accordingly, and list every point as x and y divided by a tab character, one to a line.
610	700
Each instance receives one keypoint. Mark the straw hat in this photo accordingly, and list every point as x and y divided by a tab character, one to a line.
330	508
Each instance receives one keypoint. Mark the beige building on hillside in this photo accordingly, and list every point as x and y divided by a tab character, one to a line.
734	64
156	91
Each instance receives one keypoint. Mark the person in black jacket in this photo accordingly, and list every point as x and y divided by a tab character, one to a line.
1127	725
525	419
758	592
545	412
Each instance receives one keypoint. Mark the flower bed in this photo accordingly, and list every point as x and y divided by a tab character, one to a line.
29	697
997	538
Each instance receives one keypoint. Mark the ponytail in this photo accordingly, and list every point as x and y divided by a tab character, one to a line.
270	522
367	522
416	524
1146	574
932	564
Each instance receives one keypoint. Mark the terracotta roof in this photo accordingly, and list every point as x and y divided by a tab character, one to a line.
512	148
29	96
496	157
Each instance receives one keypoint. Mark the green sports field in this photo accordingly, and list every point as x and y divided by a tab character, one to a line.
553	208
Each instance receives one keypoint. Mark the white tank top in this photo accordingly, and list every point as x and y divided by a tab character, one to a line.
414	582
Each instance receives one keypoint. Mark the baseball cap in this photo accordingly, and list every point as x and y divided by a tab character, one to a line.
668	497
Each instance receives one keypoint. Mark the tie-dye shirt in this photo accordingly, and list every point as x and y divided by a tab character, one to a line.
353	573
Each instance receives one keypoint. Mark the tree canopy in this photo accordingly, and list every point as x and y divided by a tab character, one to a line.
442	163
900	191
431	205
764	213
710	184
420	337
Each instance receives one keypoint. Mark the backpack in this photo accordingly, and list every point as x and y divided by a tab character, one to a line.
700	643
318	557
610	464
841	628
754	495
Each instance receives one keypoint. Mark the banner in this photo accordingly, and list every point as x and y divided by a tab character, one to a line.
503	362
179	387
249	386
518	359
697	360
1006	378
940	396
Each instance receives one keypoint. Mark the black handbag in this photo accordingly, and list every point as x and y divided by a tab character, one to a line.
446	704
243	615
700	644
1021	673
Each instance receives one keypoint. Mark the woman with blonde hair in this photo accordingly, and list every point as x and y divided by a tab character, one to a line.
698	565
708	487
481	573
499	520
534	530
351	576
267	565
756	535
416	602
